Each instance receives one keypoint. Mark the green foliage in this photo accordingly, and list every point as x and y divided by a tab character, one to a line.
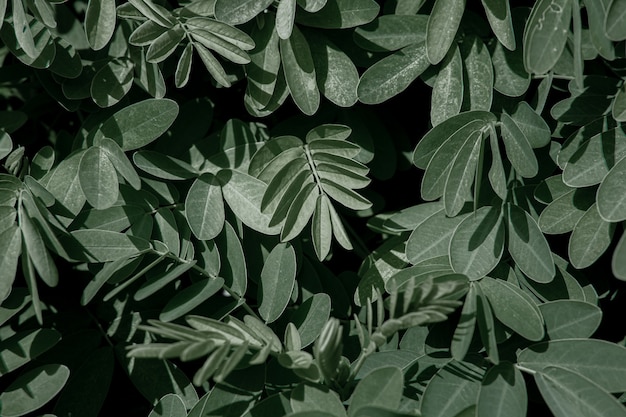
312	208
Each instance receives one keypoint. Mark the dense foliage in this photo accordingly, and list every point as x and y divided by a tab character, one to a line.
312	208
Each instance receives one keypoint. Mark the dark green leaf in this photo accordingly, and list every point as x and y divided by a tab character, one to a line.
105	246
112	82
381	387
567	319
236	12
615	22
452	389
443	24
503	392
11	247
391	32
447	96
99	23
98	178
592	235
24	347
163	166
189	298
518	149
341	14
170	405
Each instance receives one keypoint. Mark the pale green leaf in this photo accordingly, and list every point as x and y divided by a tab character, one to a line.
138	124
447	96
393	74
277	281
11	247
618	263
513	307
545	34
25	346
391	32
22	30
183	67
98	178
564	212
204	207
569	394
499	16
611	195
601	361
502	393
477	243
189	298
105	246
300	72
165	44
321	229
236	12
478	71
112	82
100	22
570	318
309	397
163	166
341	14
528	246
170	405
615	23
285	16
460	177
443	24
432	237
452	389
381	387
518	149
592	236
33	389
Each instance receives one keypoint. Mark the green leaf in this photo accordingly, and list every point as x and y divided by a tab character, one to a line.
165	44
447	96
13	304
615	21
598	360
285	16
618	263
518	149
300	72
311	316
309	397
154	12
592	236
170	405
233	262
513	307
35	248
461	174
502	392
452	389
477	243
593	159
337	76
393	74
433	140
611	195
564	212
120	161
22	29
112	82
146	33
478	71
496	175
244	193
528	246
532	125
189	298
464	331
596	14
545	34
570	394
6	145
619	105
499	16
98	178
204	207
341	14
277	281
321	228
435	178
382	387
391	32
567	319
99	23
300	211
87	389
138	124
443	24
236	12
63	182
486	325
183	68
216	43
11	247
163	166
105	246
432	237
33	389
25	346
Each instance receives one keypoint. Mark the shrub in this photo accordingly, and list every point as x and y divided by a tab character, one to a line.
312	208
